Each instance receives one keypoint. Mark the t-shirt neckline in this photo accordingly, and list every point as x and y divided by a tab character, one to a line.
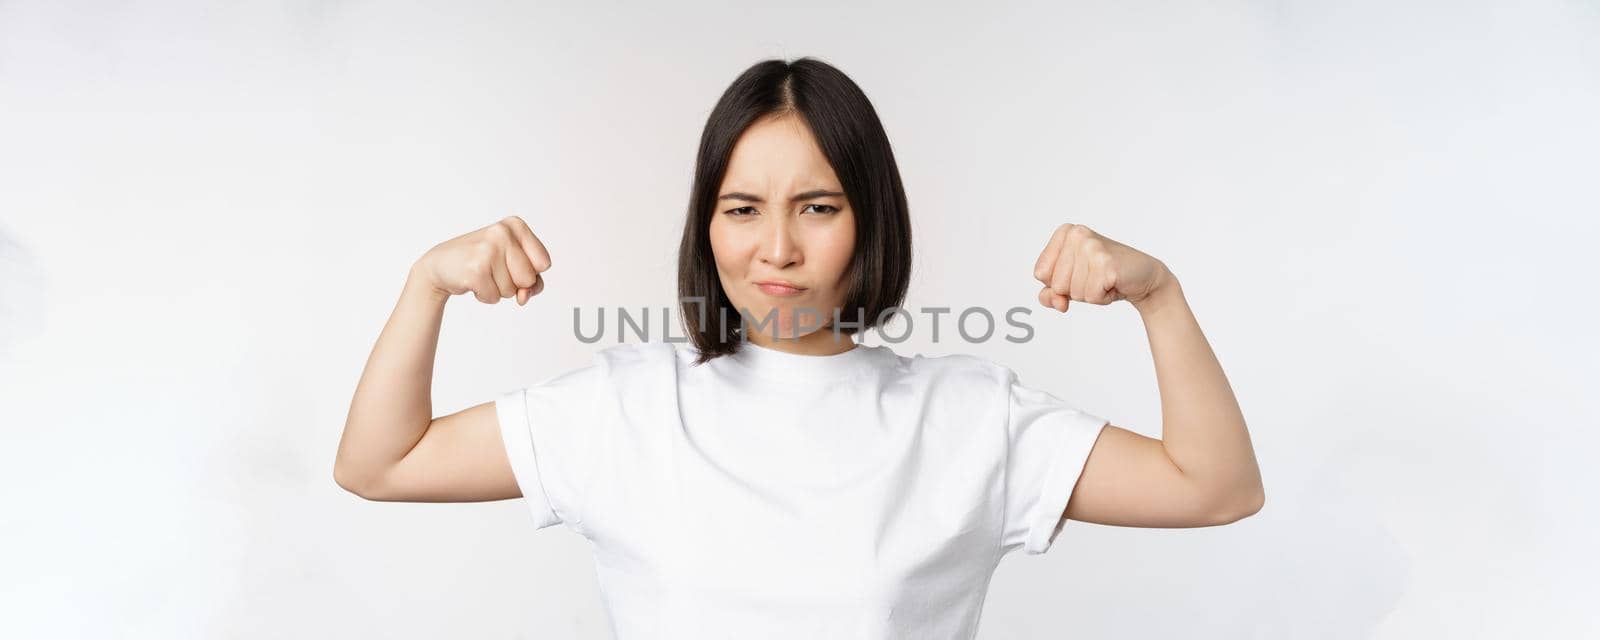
767	362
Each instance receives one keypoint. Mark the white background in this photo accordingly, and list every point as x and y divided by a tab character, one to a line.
1383	215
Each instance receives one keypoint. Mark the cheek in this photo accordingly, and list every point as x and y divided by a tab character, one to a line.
842	249
723	249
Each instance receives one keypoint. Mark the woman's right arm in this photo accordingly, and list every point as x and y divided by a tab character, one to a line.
393	449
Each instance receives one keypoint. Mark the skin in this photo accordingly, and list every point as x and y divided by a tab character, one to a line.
762	231
1202	472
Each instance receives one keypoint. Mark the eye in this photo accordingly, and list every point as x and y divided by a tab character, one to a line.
740	212
824	208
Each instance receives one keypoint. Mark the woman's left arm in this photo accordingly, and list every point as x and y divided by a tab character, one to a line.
1203	471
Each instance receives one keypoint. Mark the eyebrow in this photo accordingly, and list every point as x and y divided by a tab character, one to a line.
804	195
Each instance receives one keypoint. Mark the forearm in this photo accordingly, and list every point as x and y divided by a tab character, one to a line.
393	403
1203	429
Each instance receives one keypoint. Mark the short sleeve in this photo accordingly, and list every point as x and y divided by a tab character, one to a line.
549	431
1049	443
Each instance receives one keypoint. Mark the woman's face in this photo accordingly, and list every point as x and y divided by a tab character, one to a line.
781	216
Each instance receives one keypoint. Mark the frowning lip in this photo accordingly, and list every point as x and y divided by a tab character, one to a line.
780	287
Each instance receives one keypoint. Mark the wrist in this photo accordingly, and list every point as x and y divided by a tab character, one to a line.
1166	293
419	283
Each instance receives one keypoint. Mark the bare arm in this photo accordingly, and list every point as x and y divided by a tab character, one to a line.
392	447
1203	471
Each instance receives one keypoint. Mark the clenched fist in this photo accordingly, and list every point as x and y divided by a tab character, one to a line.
499	261
1079	264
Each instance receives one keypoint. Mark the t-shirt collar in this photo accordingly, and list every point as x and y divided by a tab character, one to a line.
767	362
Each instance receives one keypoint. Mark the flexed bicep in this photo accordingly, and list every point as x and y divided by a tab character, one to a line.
1129	480
460	458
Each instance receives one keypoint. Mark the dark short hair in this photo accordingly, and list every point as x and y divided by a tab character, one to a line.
853	140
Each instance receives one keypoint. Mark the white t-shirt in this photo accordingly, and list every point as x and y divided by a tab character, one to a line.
775	495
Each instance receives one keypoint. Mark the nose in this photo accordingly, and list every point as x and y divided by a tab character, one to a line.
780	247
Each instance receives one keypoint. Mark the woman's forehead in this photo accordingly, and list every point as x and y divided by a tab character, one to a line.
778	154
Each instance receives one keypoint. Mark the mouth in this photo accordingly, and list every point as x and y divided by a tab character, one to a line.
780	288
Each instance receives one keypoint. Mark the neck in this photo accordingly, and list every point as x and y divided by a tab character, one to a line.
822	342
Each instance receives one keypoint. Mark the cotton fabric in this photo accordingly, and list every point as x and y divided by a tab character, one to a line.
767	494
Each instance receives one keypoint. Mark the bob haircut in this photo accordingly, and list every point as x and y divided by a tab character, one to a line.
853	140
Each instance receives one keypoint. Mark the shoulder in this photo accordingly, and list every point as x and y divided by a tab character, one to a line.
634	354
608	365
954	368
636	362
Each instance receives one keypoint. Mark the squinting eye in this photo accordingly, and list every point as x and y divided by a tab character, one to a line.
736	212
824	208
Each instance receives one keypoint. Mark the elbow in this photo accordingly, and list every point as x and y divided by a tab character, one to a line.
1252	506
352	482
1240	505
341	477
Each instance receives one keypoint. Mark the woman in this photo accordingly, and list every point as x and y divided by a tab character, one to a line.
777	479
